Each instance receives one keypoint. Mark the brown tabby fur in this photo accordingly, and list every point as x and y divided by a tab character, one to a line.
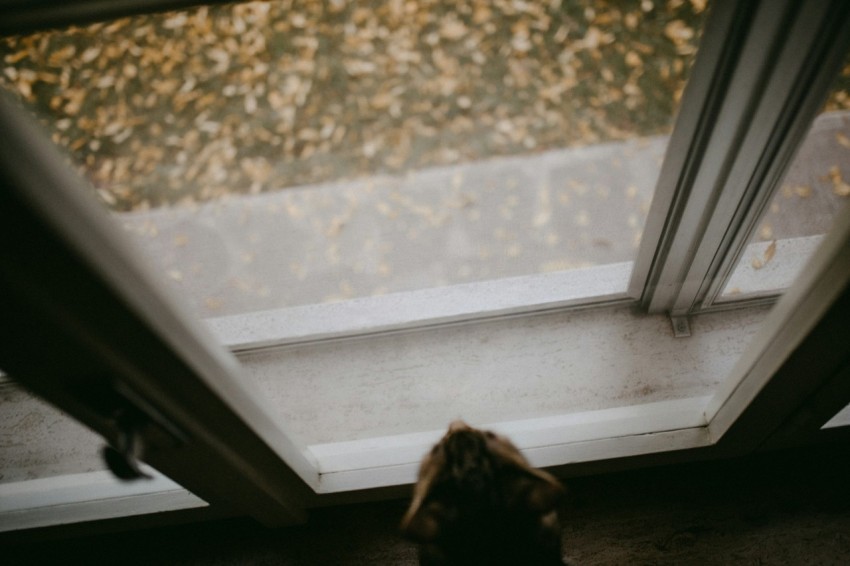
478	501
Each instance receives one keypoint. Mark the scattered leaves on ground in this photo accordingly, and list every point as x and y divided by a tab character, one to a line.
184	107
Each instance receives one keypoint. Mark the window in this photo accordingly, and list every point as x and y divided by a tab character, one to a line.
346	396
410	147
803	208
53	472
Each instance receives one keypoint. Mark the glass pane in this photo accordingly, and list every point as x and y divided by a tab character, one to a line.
801	212
273	154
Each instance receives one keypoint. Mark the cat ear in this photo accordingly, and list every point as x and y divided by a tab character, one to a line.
545	492
422	522
537	491
531	488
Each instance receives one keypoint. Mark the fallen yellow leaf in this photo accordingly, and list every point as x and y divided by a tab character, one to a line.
770	251
803	191
678	32
633	59
835	174
839	187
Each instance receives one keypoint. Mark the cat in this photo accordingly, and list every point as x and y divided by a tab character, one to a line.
479	501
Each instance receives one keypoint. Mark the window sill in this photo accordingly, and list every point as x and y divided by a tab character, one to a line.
90	496
547	441
409	310
567	386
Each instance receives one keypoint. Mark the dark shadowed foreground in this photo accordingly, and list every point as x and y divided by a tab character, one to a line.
782	508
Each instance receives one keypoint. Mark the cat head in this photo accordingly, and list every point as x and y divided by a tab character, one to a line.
477	476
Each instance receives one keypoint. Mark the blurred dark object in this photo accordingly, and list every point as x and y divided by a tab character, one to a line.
27	16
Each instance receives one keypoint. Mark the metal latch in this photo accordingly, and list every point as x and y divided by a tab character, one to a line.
123	458
681	326
135	419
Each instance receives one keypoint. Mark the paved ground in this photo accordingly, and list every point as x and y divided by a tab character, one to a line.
490	219
189	106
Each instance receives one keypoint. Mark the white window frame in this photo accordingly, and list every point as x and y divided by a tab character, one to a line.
765	90
196	416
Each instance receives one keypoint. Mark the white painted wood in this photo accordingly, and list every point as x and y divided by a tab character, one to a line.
708	184
527	434
619	447
513	369
43	183
567	387
428	307
842	418
87	497
546	454
759	118
684	150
